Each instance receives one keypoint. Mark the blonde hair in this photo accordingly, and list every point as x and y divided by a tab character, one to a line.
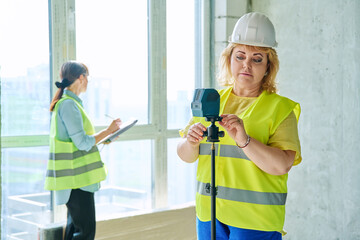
225	77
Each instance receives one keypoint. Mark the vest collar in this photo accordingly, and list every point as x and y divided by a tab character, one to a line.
73	95
224	96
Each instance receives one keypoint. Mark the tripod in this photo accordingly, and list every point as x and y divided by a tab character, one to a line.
213	135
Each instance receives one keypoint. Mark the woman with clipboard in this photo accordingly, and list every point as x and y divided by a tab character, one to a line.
75	169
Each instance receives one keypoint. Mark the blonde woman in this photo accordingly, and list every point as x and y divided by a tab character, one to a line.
261	142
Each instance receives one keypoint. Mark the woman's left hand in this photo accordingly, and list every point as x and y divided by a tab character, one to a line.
271	160
234	126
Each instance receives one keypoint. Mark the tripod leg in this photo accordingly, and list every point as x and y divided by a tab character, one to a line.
213	194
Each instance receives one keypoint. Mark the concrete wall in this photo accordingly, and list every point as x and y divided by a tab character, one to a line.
227	12
319	52
320	57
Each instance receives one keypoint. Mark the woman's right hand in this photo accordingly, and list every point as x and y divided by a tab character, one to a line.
114	126
188	147
195	133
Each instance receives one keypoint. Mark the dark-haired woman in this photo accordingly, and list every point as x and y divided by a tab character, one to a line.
75	169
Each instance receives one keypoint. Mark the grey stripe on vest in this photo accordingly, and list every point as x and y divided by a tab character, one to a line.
74	172
232	151
205	149
239	195
71	156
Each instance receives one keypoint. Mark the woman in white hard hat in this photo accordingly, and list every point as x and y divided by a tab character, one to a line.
75	169
261	141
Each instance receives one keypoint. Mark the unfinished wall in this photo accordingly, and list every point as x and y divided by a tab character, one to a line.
319	55
319	52
227	12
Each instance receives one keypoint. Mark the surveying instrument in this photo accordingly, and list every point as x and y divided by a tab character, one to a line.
206	103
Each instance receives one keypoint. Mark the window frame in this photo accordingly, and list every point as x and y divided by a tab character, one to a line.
63	21
62	44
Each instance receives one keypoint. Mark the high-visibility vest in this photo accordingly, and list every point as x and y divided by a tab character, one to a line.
247	197
68	167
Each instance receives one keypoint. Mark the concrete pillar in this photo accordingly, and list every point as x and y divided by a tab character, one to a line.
227	12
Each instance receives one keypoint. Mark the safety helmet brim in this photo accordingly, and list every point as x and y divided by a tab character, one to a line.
254	29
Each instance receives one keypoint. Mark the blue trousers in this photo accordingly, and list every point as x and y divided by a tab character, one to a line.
226	232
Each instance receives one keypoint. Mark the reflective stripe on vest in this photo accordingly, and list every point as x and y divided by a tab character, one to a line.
71	156
74	172
69	167
240	195
247	197
231	151
233	193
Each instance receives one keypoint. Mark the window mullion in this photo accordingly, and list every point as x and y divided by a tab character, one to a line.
62	48
62	36
207	39
158	99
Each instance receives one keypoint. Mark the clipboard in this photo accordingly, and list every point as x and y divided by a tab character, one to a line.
124	127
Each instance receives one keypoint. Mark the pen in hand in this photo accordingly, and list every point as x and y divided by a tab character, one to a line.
117	121
107	115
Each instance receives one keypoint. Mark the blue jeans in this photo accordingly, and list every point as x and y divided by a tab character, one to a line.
226	232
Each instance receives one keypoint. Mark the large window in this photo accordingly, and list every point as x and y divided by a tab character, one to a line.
128	184
141	61
25	97
24	67
114	45
117	58
180	33
180	40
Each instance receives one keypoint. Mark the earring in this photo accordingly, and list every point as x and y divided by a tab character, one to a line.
266	73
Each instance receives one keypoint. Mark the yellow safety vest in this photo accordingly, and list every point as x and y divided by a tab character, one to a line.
68	167
247	197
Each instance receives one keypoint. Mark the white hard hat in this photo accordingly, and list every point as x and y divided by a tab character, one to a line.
254	29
